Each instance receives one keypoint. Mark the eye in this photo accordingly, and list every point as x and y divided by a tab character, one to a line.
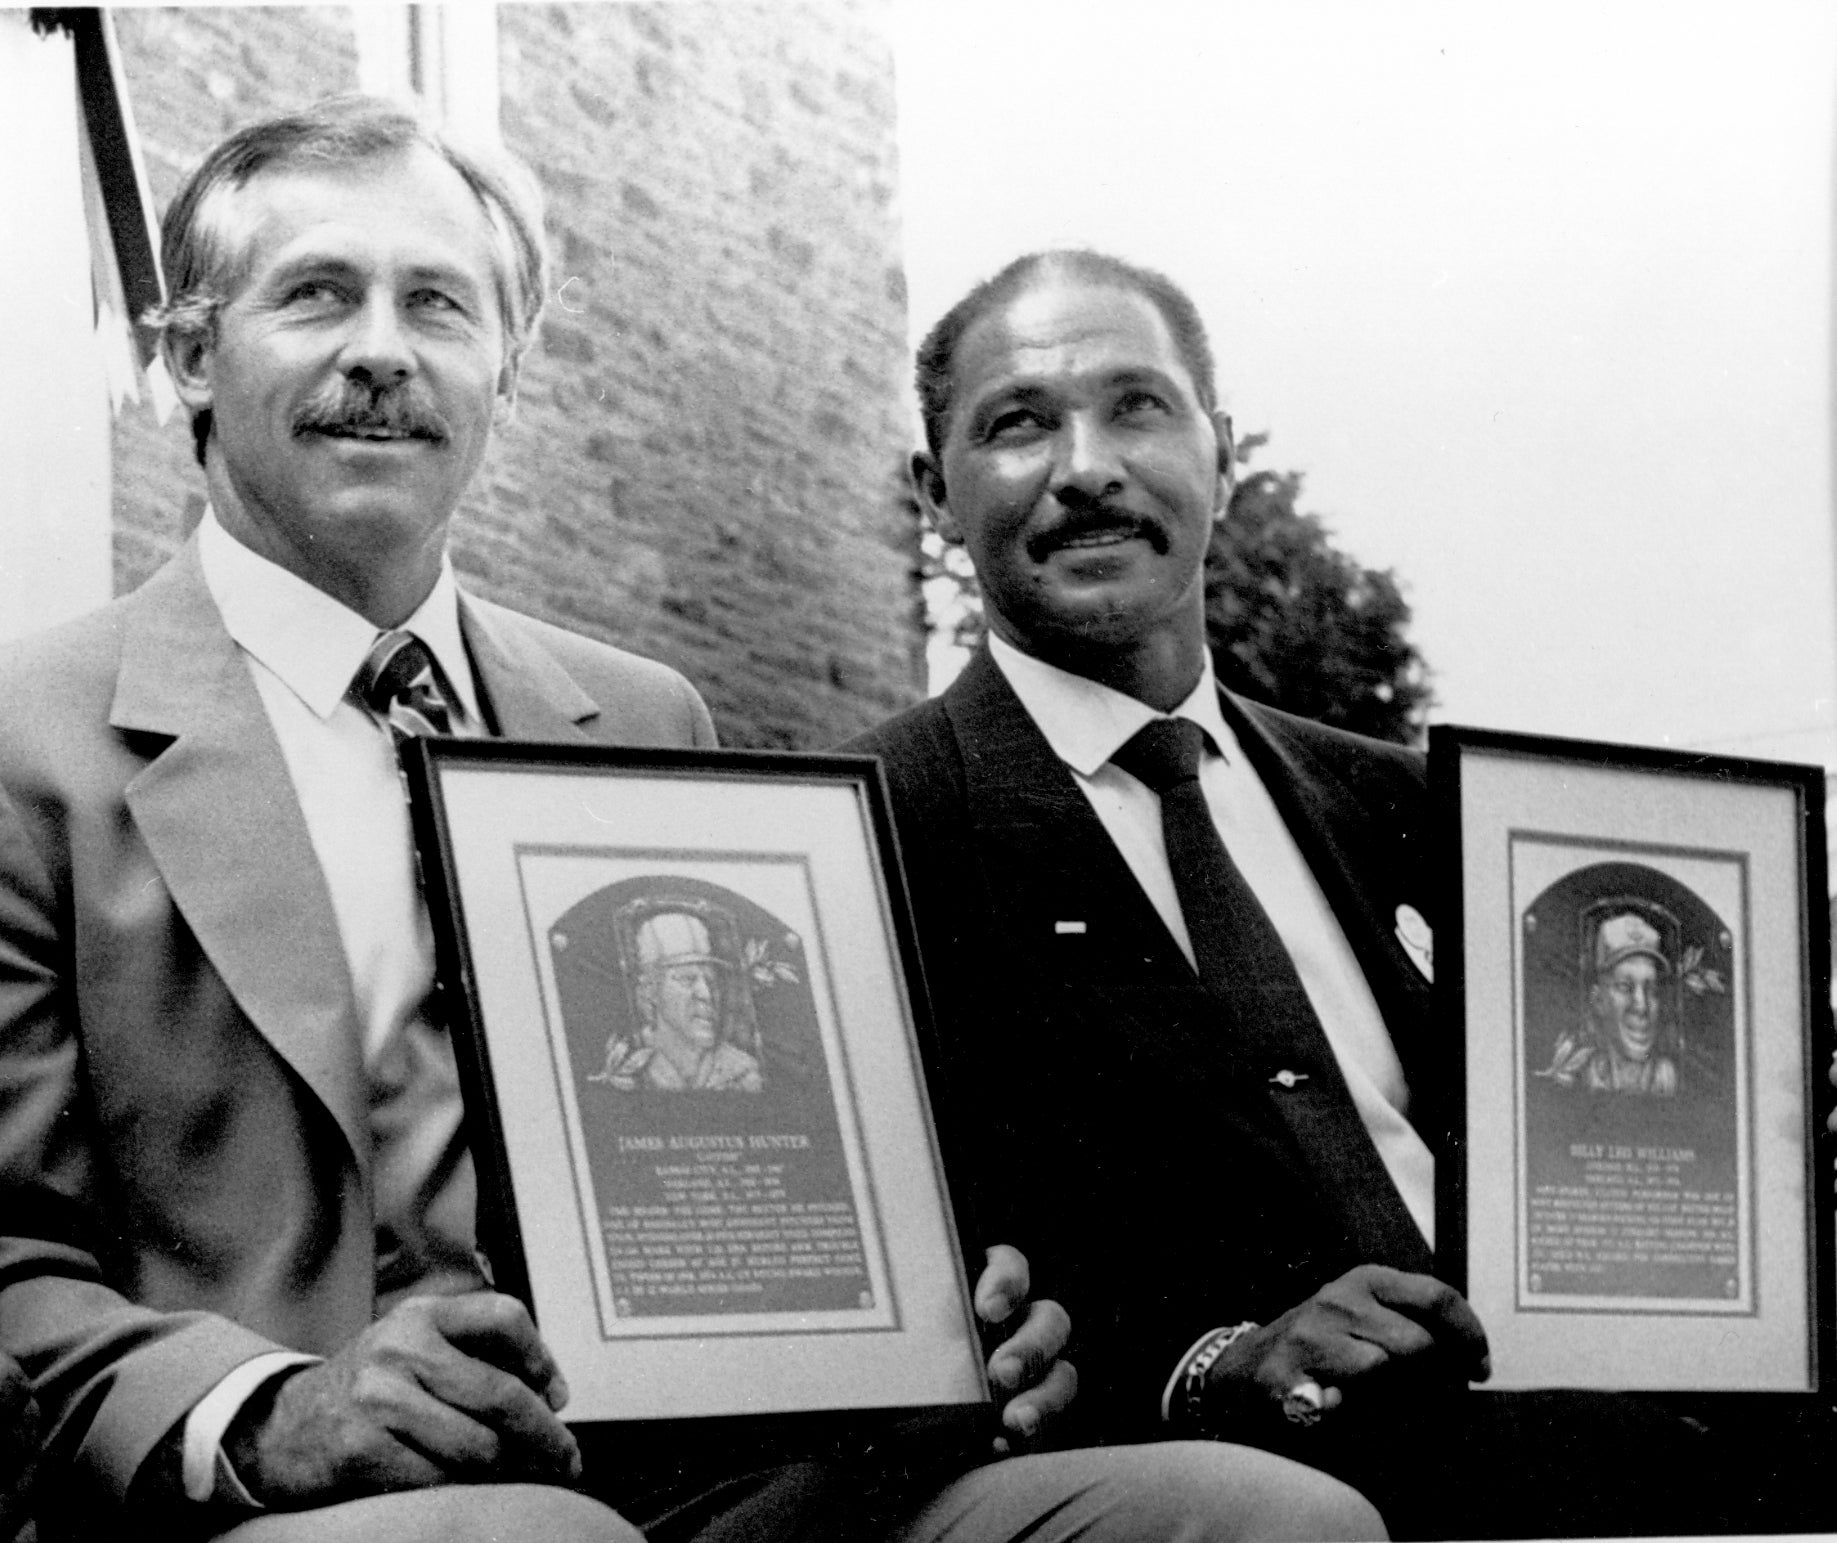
1138	401
434	300
1014	423
313	292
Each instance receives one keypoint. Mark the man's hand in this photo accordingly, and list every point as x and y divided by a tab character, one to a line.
1371	1321
1025	1365
441	1389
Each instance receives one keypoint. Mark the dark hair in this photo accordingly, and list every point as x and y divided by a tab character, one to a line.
205	253
937	354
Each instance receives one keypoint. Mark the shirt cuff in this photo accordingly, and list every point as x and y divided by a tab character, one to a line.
206	1466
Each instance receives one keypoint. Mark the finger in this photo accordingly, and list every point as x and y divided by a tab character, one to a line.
1344	1329
526	1435
1028	1414
1003	1285
1338	1356
1396	1334
1026	1355
392	1464
499	1330
1442	1310
429	1446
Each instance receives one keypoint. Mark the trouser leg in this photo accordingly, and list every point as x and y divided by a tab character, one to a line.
453	1513
1171	1492
1175	1492
784	1504
1535	1464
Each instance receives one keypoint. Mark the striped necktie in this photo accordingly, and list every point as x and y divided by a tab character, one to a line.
400	682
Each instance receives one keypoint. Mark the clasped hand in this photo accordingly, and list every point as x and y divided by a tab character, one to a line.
1372	1320
439	1389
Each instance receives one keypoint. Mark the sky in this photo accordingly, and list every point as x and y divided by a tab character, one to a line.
1536	296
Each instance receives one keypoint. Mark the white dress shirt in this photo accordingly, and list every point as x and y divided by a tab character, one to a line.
1085	724
303	648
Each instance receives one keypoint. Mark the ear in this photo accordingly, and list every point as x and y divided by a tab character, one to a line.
928	488
188	356
1227	462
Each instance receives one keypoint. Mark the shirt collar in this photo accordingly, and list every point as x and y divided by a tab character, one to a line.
310	641
1087	723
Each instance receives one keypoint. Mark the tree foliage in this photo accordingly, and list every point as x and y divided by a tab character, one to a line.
1295	622
1292	621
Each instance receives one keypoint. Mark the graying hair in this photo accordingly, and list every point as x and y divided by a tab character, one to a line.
937	355
205	241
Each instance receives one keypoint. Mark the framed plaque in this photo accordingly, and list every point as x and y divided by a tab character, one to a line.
686	1008
1636	1191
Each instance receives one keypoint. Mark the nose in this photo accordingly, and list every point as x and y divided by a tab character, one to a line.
1087	465
377	349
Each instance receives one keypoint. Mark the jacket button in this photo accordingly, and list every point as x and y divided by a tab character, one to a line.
1288	1078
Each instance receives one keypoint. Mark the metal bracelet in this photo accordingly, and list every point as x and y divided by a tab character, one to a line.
1192	1383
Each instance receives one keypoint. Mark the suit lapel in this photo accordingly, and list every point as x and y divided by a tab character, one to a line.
217	810
1031	818
216	807
1331	827
528	695
1046	862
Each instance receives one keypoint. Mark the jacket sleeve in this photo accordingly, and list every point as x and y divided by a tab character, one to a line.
110	1377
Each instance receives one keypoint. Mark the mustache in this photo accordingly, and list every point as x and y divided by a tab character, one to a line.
1094	517
355	406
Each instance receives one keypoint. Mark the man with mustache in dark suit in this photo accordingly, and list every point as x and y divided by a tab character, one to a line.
1179	947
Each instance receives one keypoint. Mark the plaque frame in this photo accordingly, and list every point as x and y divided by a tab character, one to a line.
765	1246
1655	1220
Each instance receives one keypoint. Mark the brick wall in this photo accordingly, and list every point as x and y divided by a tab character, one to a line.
701	465
193	76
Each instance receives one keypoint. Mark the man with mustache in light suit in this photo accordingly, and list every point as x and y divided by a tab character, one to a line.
236	1201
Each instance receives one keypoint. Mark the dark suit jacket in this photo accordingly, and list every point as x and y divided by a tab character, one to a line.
184	1157
1159	1182
1163	1186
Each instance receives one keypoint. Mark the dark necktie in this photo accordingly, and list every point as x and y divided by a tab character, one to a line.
1243	962
401	684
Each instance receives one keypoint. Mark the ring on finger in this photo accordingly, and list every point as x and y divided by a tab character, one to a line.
1305	1403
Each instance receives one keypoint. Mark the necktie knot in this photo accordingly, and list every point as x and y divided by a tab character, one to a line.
1163	754
400	682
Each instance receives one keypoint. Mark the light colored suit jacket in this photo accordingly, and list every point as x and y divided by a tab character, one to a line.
184	1157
